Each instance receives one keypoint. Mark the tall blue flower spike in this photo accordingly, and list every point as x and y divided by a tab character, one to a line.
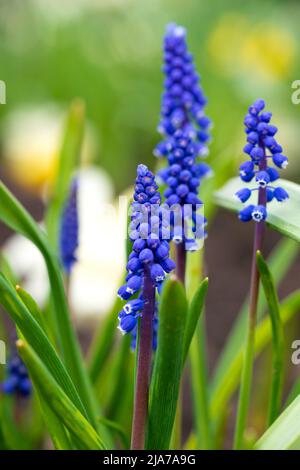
17	380
183	100
150	249
68	241
185	129
262	149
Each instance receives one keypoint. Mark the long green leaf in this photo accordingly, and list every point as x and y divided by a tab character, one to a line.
68	161
279	262
194	312
281	217
168	365
15	216
57	400
289	307
37	338
284	434
277	338
33	307
103	342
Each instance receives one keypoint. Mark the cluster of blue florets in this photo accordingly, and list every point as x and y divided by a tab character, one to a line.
150	248
17	380
183	176
68	241
185	129
262	148
183	100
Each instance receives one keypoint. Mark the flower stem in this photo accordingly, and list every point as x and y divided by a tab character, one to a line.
144	365
180	262
247	371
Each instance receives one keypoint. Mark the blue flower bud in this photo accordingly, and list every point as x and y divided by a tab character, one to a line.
162	252
270	194
257	153
146	256
245	215
168	265
273	174
134	284
133	306
262	178
280	160
243	194
280	194
127	324
157	272
259	213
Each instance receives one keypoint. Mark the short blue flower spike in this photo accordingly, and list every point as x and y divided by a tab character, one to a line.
68	241
262	149
150	249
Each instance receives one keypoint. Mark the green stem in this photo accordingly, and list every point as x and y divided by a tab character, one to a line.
200	389
140	414
247	371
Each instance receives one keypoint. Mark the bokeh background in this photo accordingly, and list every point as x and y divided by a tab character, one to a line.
109	53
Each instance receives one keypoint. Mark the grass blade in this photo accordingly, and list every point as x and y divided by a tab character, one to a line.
57	400
168	365
284	434
277	338
16	217
193	315
103	342
37	338
289	307
279	262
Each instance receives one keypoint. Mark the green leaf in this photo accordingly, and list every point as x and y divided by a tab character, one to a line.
277	338
103	342
57	400
283	217
284	434
168	365
68	161
289	307
193	315
119	380
279	262
32	307
37	338
16	217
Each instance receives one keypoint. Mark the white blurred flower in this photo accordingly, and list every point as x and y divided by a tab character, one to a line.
101	254
32	139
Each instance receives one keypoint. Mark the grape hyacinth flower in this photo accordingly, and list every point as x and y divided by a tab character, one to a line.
150	252
262	149
183	100
183	177
147	267
185	129
17	381
68	241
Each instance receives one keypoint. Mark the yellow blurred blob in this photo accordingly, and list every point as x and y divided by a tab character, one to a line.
31	144
269	50
238	46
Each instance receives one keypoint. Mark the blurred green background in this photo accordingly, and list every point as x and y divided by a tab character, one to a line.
108	52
